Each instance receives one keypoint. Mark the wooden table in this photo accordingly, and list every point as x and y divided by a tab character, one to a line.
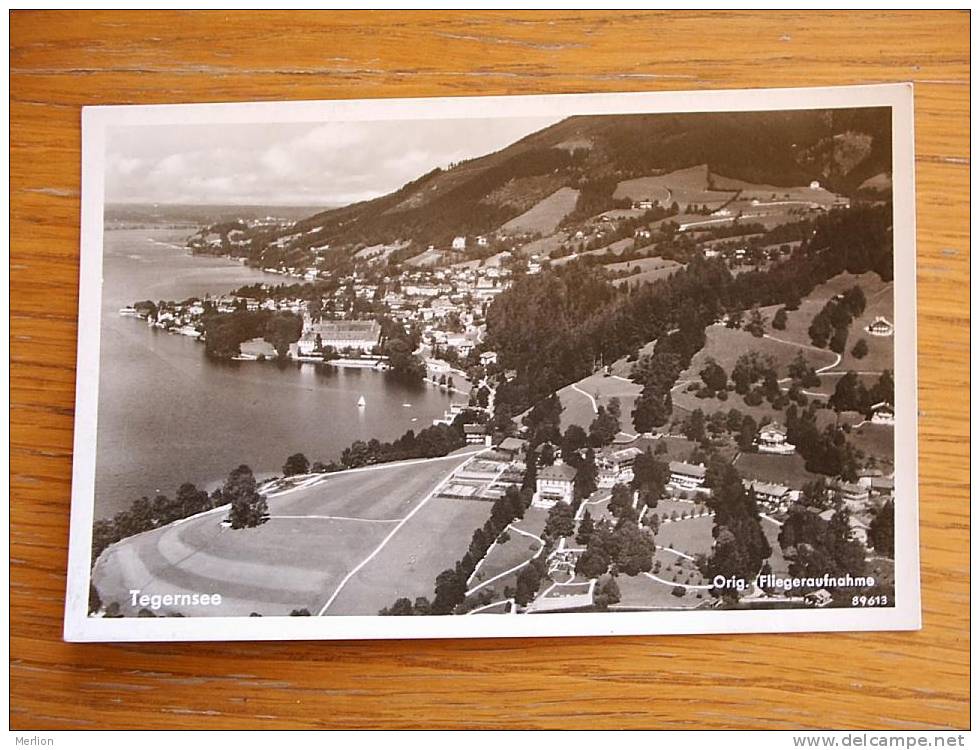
61	61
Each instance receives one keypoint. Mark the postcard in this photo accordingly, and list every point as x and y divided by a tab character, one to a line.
587	364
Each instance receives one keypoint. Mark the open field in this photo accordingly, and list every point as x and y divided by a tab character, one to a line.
683	186
503	557
880	301
613	248
686	402
726	345
544	246
425	258
432	541
641	592
876	440
651	269
773	193
314	537
546	215
691	536
581	399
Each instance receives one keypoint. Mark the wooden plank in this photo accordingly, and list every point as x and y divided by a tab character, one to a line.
63	60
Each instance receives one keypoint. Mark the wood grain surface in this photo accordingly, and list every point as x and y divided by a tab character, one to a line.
63	60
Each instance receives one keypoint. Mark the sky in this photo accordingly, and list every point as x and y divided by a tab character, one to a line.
293	164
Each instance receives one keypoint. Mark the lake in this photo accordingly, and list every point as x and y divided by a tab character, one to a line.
168	414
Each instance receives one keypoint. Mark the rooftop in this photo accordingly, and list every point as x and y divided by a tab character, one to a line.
559	472
691	470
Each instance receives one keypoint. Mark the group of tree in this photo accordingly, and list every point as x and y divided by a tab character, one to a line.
605	426
852	395
803	373
829	327
399	344
815	547
552	328
145	514
437	440
756	379
625	548
650	477
741	546
248	508
881	531
224	333
657	373
824	451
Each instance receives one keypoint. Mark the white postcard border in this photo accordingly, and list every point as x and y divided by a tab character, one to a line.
906	615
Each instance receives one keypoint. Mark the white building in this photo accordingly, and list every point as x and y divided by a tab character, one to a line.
343	335
459	243
616	466
556	484
775	497
883	413
880	327
689	477
772	439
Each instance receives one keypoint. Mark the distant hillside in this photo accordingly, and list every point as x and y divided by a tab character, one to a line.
593	154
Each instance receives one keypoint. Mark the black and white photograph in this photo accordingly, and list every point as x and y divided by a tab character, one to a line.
594	364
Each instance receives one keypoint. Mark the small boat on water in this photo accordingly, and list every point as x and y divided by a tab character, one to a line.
406	405
128	312
361	402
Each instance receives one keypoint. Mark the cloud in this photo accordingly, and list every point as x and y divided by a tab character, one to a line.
293	163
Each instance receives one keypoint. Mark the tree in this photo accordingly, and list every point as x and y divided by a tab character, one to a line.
604	428
574	440
746	433
529	581
714	376
636	549
860	350
560	521
248	507
585	477
296	464
190	501
450	591
608	594
402	606
802	372
779	319
585	528
815	547
838	342
694	426
650	477
621	500
592	563
881	532
849	395
757	324
282	329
